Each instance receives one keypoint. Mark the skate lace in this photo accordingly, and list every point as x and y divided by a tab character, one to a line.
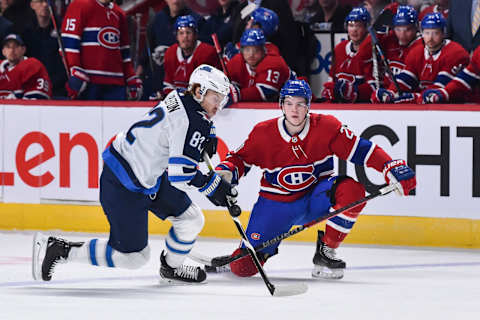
58	259
187	272
330	253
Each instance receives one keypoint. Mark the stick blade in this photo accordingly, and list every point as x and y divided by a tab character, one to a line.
290	290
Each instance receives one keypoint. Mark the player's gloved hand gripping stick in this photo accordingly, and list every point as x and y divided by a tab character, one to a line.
235	211
227	259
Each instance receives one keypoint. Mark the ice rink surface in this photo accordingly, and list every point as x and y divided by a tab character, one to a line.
379	283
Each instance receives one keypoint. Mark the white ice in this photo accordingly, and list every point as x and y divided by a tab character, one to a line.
379	283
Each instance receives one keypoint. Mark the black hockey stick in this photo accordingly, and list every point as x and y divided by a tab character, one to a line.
235	211
227	259
59	38
383	58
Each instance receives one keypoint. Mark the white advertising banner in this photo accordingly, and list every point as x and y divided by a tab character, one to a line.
53	153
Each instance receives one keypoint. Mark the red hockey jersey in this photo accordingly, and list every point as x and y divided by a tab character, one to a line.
26	80
292	165
426	71
178	69
95	37
431	9
263	83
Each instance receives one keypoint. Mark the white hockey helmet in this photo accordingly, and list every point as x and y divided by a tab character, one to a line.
210	78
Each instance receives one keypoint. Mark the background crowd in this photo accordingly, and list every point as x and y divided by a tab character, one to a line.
109	50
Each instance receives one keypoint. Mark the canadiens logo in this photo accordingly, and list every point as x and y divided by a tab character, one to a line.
296	178
255	236
109	37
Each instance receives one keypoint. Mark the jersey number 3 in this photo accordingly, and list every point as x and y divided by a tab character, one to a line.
158	115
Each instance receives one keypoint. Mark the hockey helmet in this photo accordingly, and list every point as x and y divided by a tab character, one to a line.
358	14
434	20
406	15
210	78
252	37
267	19
187	21
296	88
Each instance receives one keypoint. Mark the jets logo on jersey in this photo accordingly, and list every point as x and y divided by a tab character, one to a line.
109	37
296	178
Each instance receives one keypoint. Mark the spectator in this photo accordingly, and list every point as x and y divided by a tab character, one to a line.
255	75
439	6
22	77
463	22
429	66
395	45
221	21
161	35
187	54
330	16
346	82
41	40
17	12
95	36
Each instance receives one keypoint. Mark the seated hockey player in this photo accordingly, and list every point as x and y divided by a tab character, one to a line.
346	82
256	75
22	77
296	153
429	66
463	88
146	168
395	44
185	55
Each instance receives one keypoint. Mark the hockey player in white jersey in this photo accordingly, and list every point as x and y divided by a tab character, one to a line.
147	167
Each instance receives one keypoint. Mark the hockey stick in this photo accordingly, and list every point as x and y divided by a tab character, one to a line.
59	38
216	43
227	259
383	58
235	211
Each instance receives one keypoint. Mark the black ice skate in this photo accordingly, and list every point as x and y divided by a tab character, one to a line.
46	253
326	265
182	274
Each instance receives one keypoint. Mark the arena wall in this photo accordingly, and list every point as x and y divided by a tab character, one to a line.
51	160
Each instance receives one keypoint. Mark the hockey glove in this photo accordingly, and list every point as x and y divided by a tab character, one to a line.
408	98
210	146
217	190
434	96
134	88
382	95
158	55
77	83
397	172
228	172
229	51
234	95
345	91
327	92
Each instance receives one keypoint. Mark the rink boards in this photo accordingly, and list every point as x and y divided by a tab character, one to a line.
51	161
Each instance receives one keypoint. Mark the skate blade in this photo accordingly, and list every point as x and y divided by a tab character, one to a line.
322	272
38	250
173	282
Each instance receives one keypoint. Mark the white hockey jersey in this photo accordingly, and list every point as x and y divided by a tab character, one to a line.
170	138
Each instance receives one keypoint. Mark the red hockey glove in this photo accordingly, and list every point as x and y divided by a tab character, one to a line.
234	95
397	172
434	96
134	88
228	172
76	83
345	90
382	95
327	92
408	98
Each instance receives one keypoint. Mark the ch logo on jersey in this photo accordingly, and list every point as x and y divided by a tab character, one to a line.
396	67
296	178
255	236
109	37
346	76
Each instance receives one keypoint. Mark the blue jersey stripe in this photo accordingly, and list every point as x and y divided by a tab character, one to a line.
71	43
342	222
181	161
408	80
361	152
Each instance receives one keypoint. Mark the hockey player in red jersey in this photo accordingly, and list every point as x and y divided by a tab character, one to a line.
395	44
346	82
298	185
95	36
22	77
185	55
256	75
430	66
464	87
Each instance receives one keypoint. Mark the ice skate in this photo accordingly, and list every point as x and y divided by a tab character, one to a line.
221	269
46	253
326	265
181	275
